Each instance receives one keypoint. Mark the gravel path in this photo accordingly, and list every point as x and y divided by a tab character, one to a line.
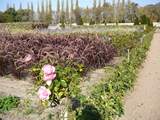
144	102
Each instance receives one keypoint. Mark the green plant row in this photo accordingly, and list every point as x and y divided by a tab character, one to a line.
124	41
7	103
106	100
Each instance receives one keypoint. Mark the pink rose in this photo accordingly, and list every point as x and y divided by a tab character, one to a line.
48	69
44	93
48	74
49	77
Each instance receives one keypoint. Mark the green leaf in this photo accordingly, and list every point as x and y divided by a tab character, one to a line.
63	83
60	94
56	89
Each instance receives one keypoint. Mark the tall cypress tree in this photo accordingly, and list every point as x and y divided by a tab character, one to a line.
67	11
58	6
99	10
62	7
129	2
72	6
7	7
50	12
104	1
47	7
114	11
99	4
78	16
28	11
42	16
94	10
72	11
28	6
118	8
123	10
94	4
58	12
38	12
32	12
62	18
77	4
14	6
20	6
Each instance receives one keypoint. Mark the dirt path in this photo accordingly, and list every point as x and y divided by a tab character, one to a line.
144	102
11	86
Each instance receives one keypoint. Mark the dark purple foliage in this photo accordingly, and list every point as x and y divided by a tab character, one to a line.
20	51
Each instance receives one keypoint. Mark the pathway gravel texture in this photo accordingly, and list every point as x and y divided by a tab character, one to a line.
144	102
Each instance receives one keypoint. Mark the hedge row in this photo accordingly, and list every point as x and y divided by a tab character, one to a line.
106	100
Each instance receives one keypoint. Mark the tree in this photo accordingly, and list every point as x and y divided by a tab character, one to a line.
114	11
136	21
104	1
49	13
144	20
94	11
78	16
10	15
98	12
94	4
67	11
118	7
38	12
58	12
99	5
47	7
72	12
151	11
20	6
28	6
7	6
62	18
2	19
14	6
22	15
32	12
123	9
86	15
42	14
131	12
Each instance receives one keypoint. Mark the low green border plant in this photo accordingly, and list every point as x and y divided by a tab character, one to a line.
7	103
106	101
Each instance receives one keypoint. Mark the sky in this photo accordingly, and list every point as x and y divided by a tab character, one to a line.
83	3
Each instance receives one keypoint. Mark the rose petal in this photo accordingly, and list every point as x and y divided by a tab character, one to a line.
49	77
44	93
48	69
49	82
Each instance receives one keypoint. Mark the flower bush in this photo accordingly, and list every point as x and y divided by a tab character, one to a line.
48	72
57	82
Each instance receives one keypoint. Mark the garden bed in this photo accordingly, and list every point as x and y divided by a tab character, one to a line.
69	59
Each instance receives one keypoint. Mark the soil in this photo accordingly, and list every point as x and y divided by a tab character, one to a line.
12	86
144	102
